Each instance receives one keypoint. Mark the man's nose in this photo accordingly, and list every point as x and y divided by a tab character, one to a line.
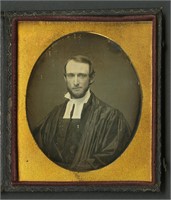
76	81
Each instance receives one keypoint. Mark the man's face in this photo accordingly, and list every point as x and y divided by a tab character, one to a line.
77	78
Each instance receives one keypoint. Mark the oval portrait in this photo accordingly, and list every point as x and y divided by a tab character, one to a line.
83	101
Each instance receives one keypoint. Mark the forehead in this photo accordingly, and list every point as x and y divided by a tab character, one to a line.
77	67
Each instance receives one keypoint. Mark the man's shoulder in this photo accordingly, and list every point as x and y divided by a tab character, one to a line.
53	113
61	105
57	108
104	107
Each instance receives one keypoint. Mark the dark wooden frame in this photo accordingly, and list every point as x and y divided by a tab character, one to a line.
9	137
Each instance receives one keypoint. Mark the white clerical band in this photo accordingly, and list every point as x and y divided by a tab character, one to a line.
79	103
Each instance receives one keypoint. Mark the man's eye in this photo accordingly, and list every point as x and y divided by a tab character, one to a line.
82	75
70	75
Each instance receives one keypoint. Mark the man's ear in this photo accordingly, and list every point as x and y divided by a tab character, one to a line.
92	77
65	77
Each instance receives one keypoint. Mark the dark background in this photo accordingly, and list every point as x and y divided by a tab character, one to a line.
165	5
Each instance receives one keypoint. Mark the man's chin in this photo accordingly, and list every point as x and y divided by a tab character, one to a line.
75	95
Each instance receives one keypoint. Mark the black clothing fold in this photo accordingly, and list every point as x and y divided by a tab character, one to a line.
104	136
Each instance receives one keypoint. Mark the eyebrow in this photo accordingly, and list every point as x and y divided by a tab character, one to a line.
77	74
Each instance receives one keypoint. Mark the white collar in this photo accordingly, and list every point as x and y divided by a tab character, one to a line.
79	103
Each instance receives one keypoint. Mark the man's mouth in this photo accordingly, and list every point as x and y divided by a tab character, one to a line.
78	88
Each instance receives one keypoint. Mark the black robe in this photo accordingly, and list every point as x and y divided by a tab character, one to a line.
104	136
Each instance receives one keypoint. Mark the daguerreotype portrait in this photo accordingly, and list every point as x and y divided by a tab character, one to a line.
83	132
83	101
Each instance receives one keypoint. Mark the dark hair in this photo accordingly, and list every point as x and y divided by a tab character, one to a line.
82	59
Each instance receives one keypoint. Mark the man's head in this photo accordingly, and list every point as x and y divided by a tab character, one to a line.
79	75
